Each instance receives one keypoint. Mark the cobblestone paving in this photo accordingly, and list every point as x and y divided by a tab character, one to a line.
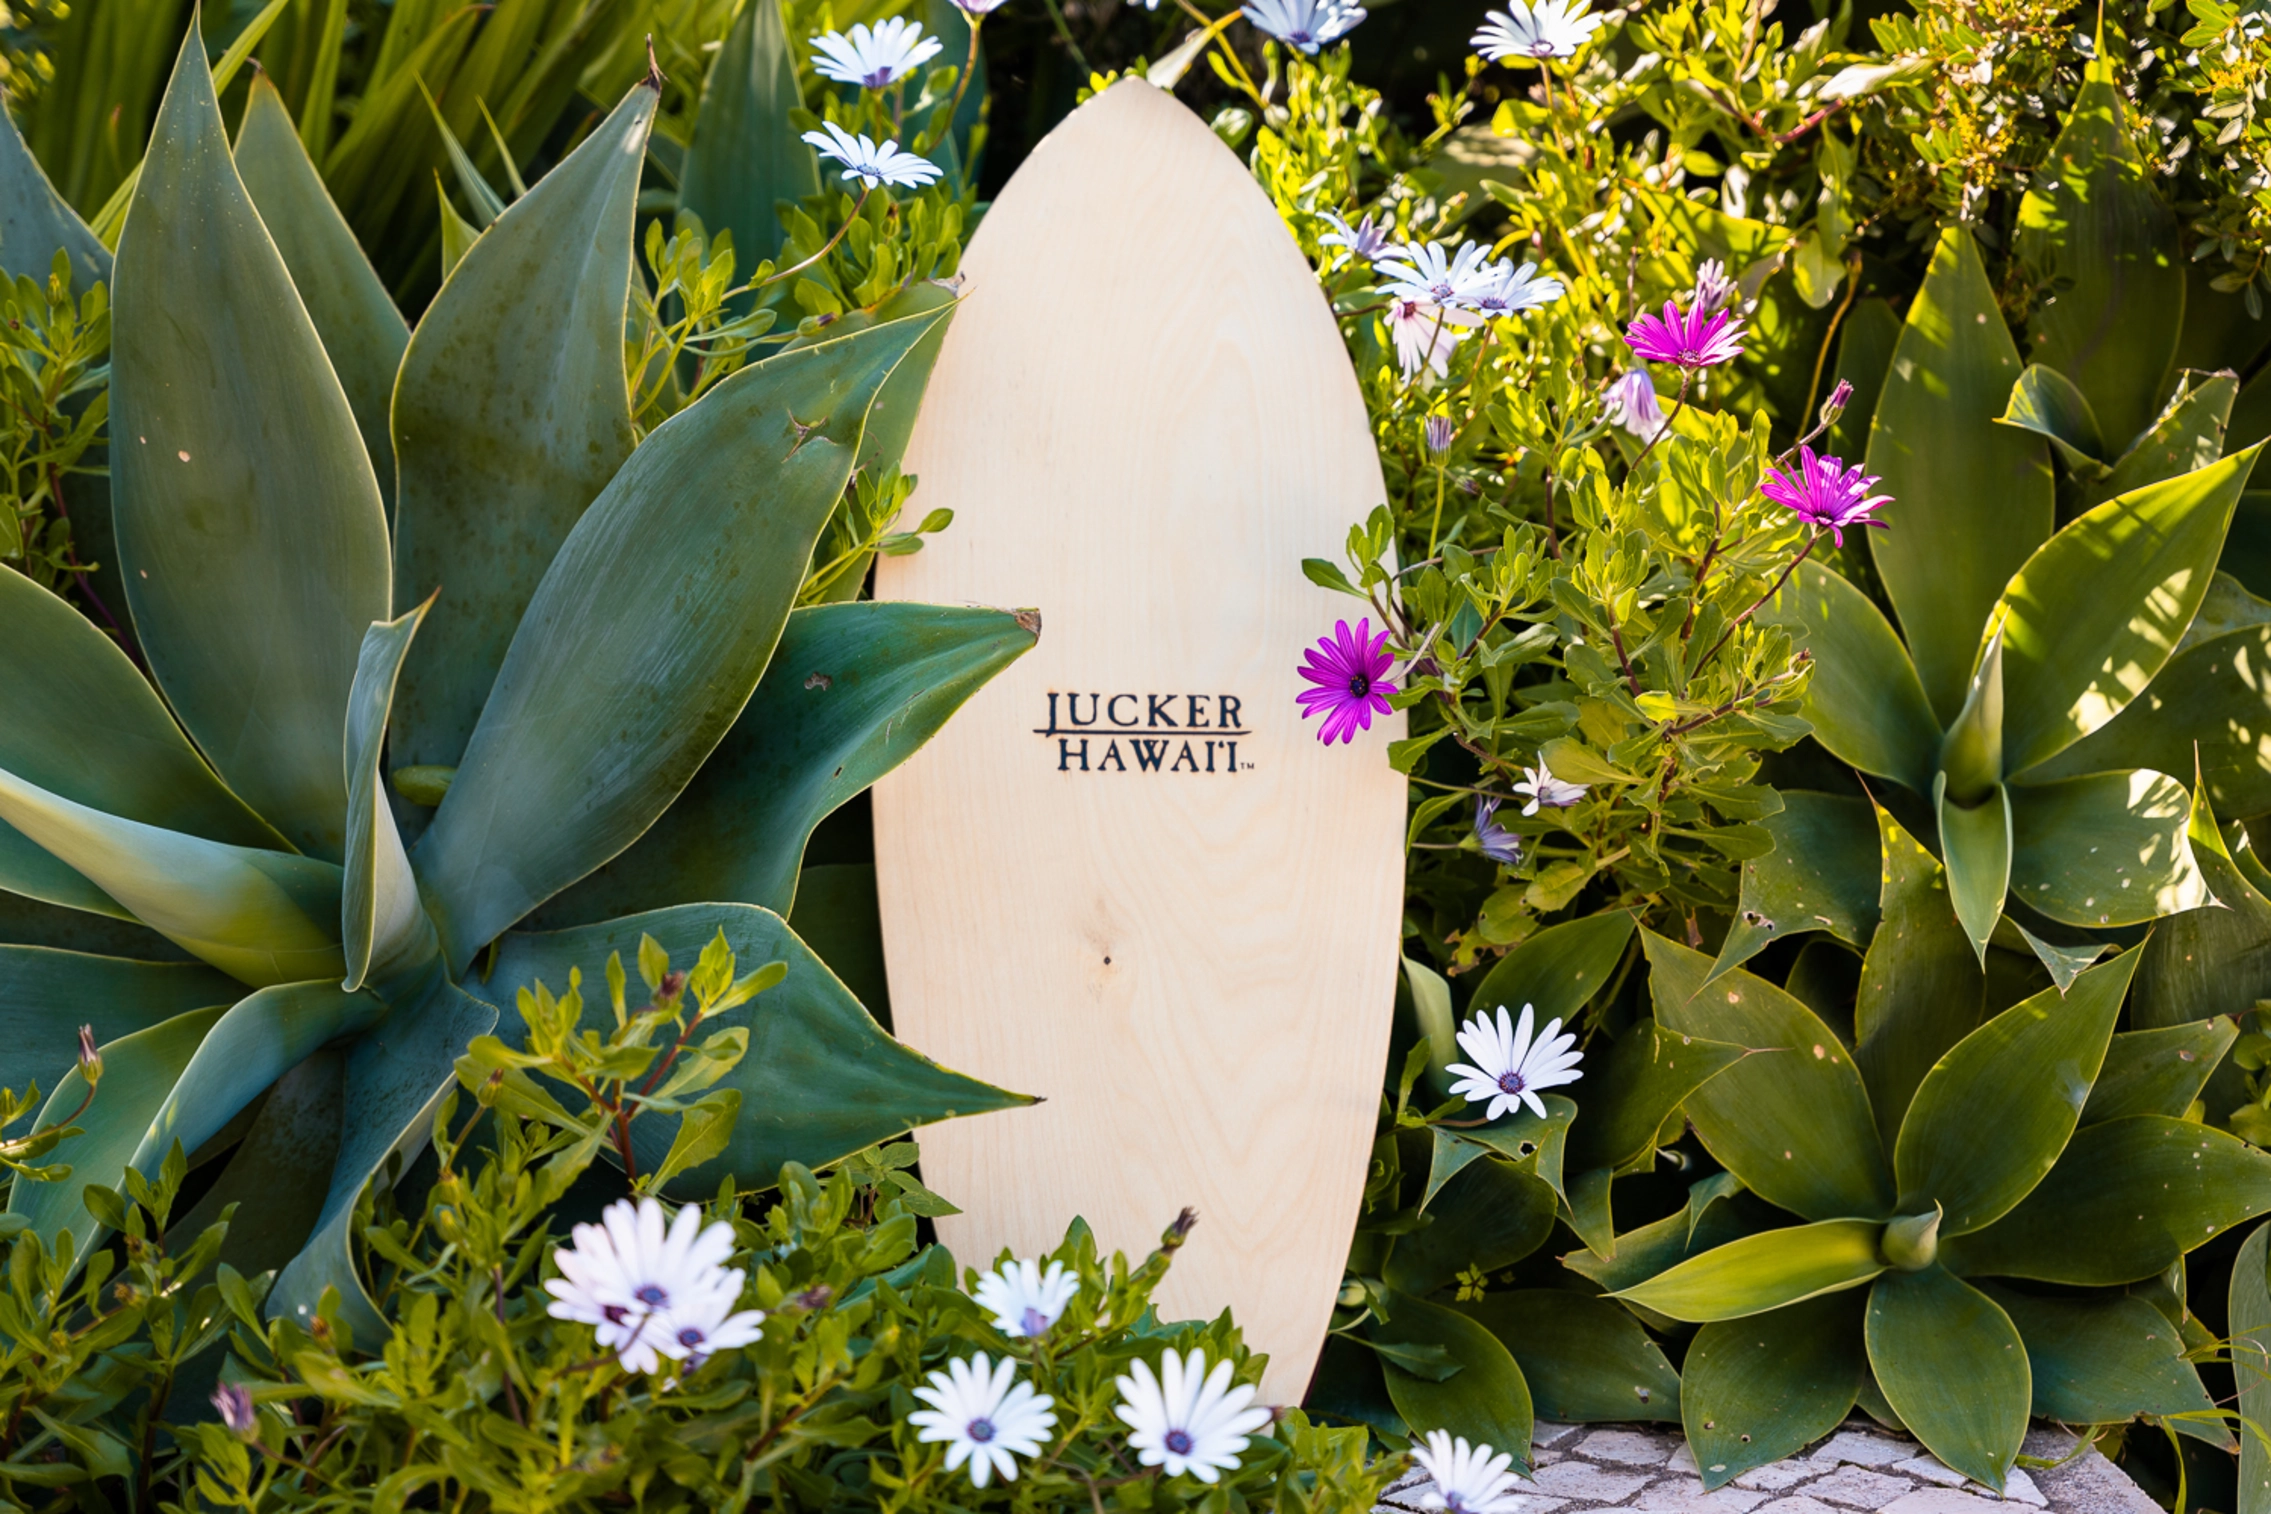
1861	1469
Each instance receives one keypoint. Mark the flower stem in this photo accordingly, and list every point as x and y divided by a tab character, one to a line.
1791	568
826	248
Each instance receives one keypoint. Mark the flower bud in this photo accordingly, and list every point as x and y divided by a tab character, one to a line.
491	1086
234	1403
1714	291
90	1060
1834	406
1441	432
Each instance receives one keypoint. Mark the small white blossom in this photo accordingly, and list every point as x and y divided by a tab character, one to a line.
1531	32
979	7
1500	289
1426	335
1545	789
1424	271
1714	291
1024	1300
1188	1419
1467	1479
984	1416
1510	1068
1366	240
1631	403
870	164
1305	24
651	1293
875	59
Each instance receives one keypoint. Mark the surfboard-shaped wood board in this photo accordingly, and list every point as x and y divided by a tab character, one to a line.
1126	876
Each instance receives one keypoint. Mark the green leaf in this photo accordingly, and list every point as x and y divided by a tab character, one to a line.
1521	1135
1490	1216
395	1074
703	1134
248	516
1765	1271
1865	346
261	917
510	417
1449	1154
45	995
2250	1303
387	932
2158	1071
1650	1073
1921	985
1864	701
1756	1390
35	221
891	420
2126	1199
852	691
2212	960
2105	247
2063	963
1952	1366
1994	1113
746	155
606	707
2188	436
1559	969
1663	1244
2104	850
2099	1361
1802	1095
2098	610
1821	875
1938	450
1585	1208
1486	1401
278	1173
1584	1358
458	236
363	334
235	1056
1978	846
1430	997
2046	402
821	1079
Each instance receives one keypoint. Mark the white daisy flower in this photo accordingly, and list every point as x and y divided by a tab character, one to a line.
1305	24
979	7
1531	32
1188	1419
984	1416
1423	271
870	164
1467	1479
1512	1068
1631	403
1426	335
1545	789
1024	1300
650	1292
874	59
1366	240
1501	289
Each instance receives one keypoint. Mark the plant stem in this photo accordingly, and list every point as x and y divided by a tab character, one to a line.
826	248
1789	569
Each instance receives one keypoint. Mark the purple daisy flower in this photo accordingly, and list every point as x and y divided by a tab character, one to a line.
1346	667
1697	339
1825	493
1495	841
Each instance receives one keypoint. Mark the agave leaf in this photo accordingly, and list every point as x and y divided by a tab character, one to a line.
1952	1366
2104	243
510	416
1864	701
1558	970
1700	1226
1487	1400
2188	437
2126	1199
2104	850
277	1175
261	917
852	691
1939	452
35	220
396	1073
2214	959
2250	1303
363	334
2158	1071
821	1079
1977	841
33	922
1821	875
605	708
1521	1136
1865	346
1650	1073
248	516
1994	1113
2099	608
1584	1359
2046	402
45	995
1449	1155
387	932
746	155
892	419
1770	1270
1756	1390
1490	1216
2099	1361
1802	1093
1921	986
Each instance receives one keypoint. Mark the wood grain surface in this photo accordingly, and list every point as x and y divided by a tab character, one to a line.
1143	419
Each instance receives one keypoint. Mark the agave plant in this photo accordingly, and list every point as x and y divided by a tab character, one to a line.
1939	1161
612	641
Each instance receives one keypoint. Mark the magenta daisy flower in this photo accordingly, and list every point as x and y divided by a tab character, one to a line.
1697	339
1347	669
1825	493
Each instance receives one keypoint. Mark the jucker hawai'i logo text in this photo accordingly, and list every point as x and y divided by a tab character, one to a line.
1146	733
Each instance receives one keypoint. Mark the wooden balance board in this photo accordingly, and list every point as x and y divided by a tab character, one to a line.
1126	876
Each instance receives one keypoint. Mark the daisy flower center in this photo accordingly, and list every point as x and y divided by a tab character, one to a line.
1034	1321
1511	1082
1360	684
980	1430
690	1336
1179	1442
653	1295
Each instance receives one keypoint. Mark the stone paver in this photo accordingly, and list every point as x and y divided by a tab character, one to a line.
1861	1469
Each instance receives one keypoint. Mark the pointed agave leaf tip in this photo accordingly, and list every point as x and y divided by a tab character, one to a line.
655	76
